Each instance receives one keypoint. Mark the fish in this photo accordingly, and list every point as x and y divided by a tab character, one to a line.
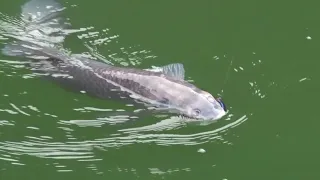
40	36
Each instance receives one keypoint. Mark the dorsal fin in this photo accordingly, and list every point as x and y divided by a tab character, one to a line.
175	70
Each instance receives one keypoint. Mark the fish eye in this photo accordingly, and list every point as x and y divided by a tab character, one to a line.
196	112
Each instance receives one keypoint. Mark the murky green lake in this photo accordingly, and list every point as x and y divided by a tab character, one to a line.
262	57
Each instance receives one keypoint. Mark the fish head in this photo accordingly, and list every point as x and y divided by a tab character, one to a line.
203	106
185	98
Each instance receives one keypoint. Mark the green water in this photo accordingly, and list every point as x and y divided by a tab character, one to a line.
261	56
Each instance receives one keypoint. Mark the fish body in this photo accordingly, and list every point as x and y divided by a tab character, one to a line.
164	88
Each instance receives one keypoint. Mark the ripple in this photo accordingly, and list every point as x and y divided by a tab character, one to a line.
5	123
89	109
43	147
304	79
17	110
7	157
8	111
48	150
112	120
167	124
105	39
169	171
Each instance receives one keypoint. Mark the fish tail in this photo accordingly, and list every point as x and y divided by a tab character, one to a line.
40	24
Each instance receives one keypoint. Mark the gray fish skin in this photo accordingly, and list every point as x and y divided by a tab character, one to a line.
166	88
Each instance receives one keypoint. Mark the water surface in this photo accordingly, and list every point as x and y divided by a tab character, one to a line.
261	57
